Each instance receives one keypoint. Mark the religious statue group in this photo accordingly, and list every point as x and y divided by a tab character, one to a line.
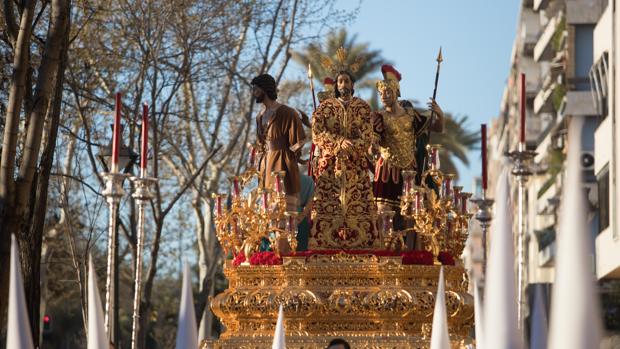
358	154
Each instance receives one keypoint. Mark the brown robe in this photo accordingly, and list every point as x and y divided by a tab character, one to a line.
281	141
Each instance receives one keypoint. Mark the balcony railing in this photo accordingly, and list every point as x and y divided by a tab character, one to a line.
552	38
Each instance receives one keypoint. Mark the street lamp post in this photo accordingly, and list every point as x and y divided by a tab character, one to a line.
113	193
484	216
521	170
142	195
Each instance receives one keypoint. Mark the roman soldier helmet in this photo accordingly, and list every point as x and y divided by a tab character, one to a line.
329	85
391	79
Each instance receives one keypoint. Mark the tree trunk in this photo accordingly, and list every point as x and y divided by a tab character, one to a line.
23	201
52	68
9	145
46	163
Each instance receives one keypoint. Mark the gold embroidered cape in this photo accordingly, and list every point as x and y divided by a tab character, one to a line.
343	211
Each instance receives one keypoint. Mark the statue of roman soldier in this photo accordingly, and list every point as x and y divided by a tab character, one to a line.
328	85
399	126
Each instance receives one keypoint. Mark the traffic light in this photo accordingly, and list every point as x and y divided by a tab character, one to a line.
47	324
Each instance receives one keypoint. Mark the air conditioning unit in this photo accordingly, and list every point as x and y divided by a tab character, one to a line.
591	192
587	160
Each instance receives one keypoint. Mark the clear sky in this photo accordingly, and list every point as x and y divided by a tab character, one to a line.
476	38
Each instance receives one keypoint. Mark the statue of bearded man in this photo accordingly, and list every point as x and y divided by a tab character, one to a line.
343	211
280	137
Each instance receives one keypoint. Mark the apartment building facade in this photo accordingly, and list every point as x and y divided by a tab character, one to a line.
567	51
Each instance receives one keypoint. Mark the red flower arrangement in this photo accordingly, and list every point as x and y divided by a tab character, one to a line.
265	258
308	253
417	257
445	258
239	258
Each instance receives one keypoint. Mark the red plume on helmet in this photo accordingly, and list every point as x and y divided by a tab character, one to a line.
389	72
391	78
329	85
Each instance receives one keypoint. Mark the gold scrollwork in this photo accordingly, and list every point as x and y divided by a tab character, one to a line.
356	296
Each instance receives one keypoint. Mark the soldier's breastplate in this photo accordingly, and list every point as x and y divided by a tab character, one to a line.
398	140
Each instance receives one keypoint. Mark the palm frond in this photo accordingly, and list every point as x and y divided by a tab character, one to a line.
370	60
457	141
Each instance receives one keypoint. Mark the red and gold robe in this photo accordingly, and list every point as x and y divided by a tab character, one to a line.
343	211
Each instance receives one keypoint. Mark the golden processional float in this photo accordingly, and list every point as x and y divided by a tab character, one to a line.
372	298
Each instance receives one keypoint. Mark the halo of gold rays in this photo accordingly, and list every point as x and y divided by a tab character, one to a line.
334	66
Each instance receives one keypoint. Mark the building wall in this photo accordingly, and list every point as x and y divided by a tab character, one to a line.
576	41
571	36
607	147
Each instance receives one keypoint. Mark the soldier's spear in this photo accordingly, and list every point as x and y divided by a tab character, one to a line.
439	60
311	86
314	105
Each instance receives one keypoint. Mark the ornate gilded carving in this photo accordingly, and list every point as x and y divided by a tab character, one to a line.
359	297
261	214
343	211
389	302
439	215
297	300
397	144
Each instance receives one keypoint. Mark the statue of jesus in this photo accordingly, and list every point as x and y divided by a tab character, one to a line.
343	211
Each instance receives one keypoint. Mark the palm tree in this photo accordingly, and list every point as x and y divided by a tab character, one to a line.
456	139
371	60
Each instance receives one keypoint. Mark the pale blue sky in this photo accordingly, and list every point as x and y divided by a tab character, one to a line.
476	37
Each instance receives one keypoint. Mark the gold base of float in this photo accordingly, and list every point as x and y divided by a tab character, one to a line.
371	301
